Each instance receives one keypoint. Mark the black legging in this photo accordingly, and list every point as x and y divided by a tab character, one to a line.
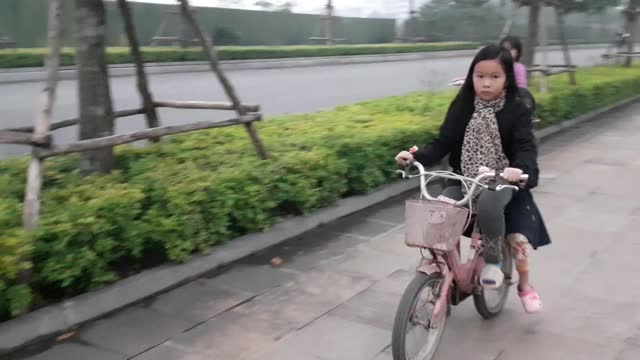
490	218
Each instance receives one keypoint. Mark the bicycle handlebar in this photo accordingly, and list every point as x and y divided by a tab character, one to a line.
449	175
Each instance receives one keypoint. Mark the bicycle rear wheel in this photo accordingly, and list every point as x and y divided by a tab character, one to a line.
414	336
490	302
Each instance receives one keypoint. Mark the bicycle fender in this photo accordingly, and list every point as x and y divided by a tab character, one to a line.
427	266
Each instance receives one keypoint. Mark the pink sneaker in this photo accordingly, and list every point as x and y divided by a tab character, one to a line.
530	300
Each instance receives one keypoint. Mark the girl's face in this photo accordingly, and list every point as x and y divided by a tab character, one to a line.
514	52
489	79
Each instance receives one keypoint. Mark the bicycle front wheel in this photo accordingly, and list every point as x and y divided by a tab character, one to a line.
490	302
414	336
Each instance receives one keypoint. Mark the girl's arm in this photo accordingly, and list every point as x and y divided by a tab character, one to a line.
524	148
440	146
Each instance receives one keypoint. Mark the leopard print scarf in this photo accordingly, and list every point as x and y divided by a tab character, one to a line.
482	145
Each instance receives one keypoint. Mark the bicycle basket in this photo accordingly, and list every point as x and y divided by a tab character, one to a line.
434	224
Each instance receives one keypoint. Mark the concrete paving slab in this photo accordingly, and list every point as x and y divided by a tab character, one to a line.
198	301
253	279
332	338
311	296
134	330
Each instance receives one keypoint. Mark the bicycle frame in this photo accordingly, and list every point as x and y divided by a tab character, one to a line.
453	270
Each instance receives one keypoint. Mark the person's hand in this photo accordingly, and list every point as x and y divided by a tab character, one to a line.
482	170
404	158
512	175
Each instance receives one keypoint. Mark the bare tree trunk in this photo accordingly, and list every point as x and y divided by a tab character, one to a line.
328	31
604	33
565	45
182	34
630	26
141	76
96	112
544	82
509	14
532	37
410	25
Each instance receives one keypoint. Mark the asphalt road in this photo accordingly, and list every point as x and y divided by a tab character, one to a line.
278	91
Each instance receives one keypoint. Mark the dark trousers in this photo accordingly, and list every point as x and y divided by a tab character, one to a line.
490	218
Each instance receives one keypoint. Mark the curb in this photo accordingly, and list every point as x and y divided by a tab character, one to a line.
57	318
21	75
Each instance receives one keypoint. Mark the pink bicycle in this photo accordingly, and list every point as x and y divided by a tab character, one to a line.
450	270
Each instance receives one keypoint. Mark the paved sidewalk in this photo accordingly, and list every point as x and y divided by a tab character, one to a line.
335	294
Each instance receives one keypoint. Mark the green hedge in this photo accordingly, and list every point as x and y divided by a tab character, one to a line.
193	191
18	58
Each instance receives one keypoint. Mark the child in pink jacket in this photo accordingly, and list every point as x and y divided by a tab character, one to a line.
514	45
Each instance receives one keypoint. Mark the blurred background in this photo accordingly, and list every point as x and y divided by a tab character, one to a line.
249	22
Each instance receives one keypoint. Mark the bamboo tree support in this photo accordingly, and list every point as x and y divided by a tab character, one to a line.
18	137
565	45
31	212
121	139
207	105
141	76
76	121
212	57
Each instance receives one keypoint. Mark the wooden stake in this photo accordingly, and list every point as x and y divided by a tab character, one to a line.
212	57
31	212
141	76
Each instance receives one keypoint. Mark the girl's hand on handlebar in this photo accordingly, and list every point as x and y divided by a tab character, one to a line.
512	175
404	158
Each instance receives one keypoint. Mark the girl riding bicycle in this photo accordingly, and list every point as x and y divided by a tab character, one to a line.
488	126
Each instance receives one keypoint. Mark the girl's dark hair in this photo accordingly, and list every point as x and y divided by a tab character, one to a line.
467	93
515	44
